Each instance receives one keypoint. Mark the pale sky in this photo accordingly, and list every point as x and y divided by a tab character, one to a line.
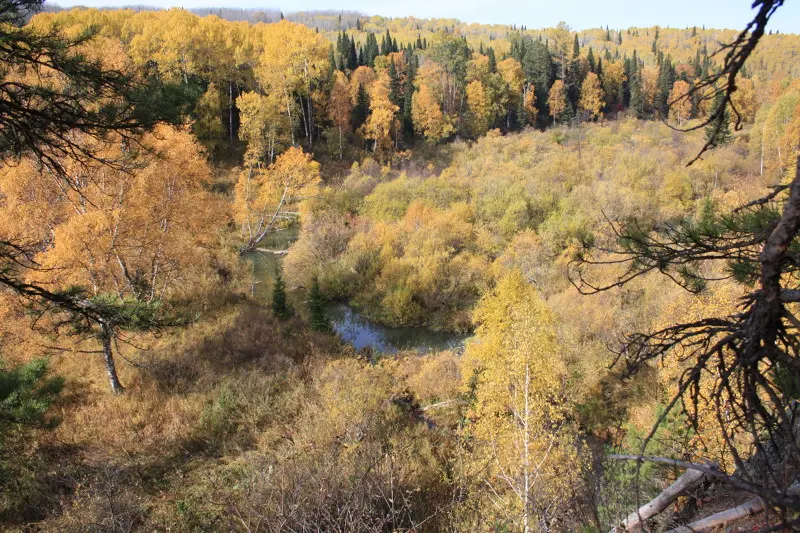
579	14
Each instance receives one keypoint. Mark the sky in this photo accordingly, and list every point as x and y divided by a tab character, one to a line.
579	14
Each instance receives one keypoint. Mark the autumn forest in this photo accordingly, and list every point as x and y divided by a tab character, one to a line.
325	271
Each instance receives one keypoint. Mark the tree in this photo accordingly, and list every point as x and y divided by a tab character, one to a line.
316	308
263	126
680	108
294	60
381	122
719	133
120	246
262	196
208	127
427	116
50	91
64	110
529	104
280	308
522	443
613	79
26	392
341	108
557	101
477	109
451	54
511	72
591	102
747	354
361	108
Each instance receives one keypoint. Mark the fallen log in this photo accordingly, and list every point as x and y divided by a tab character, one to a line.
689	480
748	508
268	251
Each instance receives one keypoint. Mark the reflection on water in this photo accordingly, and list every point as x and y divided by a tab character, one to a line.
264	263
361	333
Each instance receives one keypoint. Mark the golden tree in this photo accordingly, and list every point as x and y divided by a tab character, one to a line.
123	242
680	108
263	125
294	58
591	101
381	121
478	109
427	115
340	108
523	444
261	196
557	100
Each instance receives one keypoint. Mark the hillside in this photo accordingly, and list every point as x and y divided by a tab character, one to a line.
214	228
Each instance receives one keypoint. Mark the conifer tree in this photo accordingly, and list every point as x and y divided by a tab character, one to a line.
408	97
352	56
361	109
719	132
318	320
637	100
492	60
395	86
280	308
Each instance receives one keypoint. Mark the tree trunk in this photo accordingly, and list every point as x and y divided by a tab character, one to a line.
230	110
750	507
108	356
636	520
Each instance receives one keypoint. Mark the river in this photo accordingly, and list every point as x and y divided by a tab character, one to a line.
348	324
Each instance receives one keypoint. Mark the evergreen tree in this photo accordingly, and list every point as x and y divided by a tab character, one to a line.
576	48
395	86
358	24
619	37
332	64
590	60
408	97
352	57
361	109
608	34
492	61
537	64
26	393
719	133
636	90
371	50
280	308
666	79
316	308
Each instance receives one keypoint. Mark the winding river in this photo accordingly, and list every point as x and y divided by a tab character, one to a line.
348	324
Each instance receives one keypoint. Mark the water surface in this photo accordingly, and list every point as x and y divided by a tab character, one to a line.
362	333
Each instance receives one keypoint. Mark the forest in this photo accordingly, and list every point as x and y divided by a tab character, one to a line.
606	222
